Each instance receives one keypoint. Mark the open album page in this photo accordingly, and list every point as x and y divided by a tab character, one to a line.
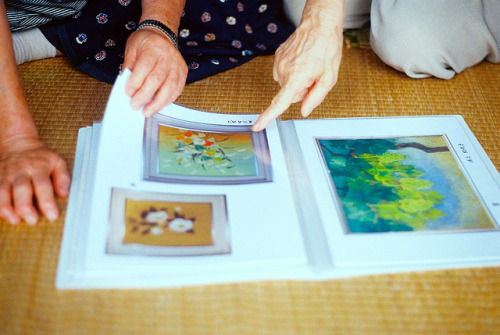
182	198
395	194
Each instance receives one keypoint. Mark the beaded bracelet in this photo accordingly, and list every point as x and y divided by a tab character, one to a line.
163	28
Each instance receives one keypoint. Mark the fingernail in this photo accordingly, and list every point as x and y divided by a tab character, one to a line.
13	220
135	105
306	112
31	219
65	187
51	215
129	92
147	113
257	127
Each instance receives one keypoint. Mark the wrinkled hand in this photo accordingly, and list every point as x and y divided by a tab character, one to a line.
28	171
158	71
306	67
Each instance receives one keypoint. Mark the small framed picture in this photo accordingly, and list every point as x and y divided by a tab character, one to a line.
402	184
158	224
187	152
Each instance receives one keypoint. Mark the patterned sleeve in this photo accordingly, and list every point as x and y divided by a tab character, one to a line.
27	14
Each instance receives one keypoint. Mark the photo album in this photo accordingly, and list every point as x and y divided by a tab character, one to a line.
193	198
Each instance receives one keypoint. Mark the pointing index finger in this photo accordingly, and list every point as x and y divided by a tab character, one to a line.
280	103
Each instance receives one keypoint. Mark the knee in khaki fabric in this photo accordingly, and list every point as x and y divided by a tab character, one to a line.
431	37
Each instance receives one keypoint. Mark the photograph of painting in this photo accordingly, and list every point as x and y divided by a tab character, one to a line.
205	153
401	184
167	224
201	153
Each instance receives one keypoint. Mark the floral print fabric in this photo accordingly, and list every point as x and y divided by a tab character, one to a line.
214	35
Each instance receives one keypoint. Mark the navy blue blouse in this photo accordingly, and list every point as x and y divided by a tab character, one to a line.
214	35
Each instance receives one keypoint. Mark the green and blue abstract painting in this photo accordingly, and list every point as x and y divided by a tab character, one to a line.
402	184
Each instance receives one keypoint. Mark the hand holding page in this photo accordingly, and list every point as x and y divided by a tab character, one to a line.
189	198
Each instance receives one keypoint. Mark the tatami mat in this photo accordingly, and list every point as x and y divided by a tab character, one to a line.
463	301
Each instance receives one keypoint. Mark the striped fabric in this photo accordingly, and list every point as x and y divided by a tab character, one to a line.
26	14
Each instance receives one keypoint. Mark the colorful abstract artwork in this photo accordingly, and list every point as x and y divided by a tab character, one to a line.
401	184
203	153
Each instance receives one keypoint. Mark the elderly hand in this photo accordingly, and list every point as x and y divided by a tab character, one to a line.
306	66
158	70
28	170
